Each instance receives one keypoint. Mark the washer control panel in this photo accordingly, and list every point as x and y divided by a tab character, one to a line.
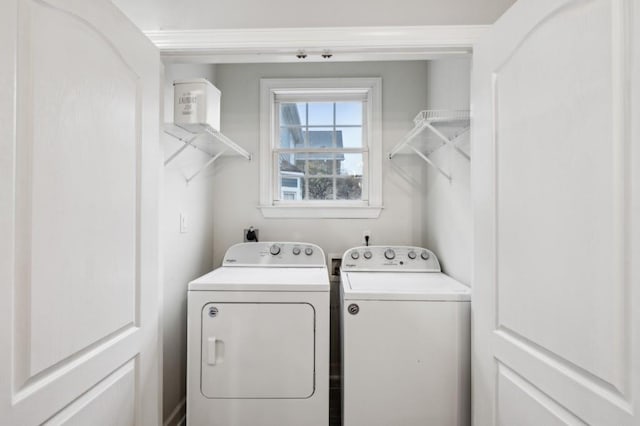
390	258
274	254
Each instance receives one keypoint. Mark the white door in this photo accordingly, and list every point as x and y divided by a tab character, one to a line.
79	185
556	175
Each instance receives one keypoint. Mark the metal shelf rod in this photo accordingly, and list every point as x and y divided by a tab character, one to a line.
231	144
207	164
431	163
419	127
187	143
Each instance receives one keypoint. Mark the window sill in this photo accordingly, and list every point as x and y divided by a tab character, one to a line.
324	212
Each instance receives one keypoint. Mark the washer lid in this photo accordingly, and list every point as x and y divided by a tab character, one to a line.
263	279
434	286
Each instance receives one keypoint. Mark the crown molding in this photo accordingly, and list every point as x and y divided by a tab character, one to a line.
344	43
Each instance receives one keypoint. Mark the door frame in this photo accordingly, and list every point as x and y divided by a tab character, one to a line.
281	45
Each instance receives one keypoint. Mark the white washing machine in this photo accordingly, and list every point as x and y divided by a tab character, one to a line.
258	338
405	340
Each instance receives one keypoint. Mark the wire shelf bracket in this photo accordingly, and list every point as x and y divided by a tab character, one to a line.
211	136
458	121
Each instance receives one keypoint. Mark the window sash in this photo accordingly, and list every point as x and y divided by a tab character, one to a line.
320	150
277	179
367	91
364	126
329	96
320	95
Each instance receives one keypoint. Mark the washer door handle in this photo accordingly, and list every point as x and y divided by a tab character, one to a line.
211	350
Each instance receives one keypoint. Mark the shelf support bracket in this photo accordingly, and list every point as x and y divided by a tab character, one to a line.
228	142
187	143
407	139
455	145
205	165
431	163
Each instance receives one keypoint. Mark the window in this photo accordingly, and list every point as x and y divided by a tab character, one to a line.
321	147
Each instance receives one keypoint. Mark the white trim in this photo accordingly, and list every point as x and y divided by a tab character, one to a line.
345	43
314	212
178	415
372	192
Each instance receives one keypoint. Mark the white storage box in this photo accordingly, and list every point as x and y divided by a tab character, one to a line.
196	104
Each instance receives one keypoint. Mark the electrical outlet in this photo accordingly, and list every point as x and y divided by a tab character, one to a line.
256	234
366	235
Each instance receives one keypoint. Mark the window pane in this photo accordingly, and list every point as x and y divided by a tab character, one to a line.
320	188
291	137
289	182
349	188
320	137
291	178
349	113
349	164
321	113
293	114
320	164
349	137
289	165
289	196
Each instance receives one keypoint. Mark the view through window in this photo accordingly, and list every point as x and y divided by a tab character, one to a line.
321	150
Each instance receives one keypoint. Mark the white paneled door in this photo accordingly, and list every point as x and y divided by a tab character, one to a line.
556	175
79	185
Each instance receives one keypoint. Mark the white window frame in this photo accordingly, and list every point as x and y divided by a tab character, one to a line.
371	204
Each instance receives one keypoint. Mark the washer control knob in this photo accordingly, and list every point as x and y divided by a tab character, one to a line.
367	254
424	255
412	255
355	255
308	251
274	250
389	254
296	251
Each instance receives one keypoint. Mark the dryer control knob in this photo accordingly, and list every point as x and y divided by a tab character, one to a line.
355	255
412	255
367	254
274	250
308	251
296	251
425	255
389	254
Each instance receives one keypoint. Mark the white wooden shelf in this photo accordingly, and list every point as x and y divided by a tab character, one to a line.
445	128
209	141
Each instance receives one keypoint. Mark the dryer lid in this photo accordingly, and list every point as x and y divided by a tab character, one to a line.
427	286
263	279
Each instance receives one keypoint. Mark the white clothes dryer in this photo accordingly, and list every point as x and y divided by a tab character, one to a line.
405	340
258	338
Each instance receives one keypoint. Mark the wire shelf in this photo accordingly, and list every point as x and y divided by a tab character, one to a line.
441	115
445	128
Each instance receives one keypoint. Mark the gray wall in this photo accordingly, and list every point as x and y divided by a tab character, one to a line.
447	205
201	14
186	255
236	185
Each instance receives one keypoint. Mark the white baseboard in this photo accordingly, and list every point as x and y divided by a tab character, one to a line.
178	416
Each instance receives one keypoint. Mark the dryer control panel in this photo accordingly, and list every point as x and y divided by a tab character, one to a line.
280	254
390	258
